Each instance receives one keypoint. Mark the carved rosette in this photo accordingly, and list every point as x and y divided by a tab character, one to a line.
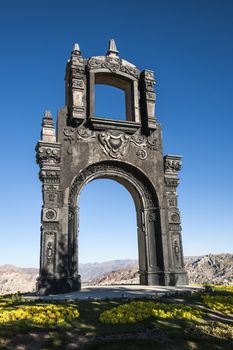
174	218
114	143
50	214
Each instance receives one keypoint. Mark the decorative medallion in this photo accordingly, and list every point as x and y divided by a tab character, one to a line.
51	214
175	217
114	143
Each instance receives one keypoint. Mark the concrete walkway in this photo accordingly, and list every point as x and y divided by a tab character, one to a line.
122	291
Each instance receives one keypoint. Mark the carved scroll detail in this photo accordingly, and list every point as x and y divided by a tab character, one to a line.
114	65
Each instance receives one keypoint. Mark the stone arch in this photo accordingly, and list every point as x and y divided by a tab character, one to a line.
82	148
147	209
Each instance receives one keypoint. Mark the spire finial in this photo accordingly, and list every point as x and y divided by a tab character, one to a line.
76	49
112	49
47	119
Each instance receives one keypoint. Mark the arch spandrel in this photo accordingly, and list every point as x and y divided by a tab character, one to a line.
83	148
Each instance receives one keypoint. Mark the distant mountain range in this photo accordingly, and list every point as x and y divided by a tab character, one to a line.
210	268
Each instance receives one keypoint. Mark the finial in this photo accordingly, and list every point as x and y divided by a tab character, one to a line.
48	115
47	119
112	49
76	49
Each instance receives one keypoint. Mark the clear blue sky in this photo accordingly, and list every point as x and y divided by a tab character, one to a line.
188	43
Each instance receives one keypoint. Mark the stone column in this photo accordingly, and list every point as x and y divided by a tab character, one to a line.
76	86
148	98
177	274
49	157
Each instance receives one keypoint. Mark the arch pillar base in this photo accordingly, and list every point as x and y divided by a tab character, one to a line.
52	285
152	278
176	278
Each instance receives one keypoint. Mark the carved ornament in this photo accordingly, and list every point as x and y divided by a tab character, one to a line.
174	218
85	134
114	64
51	214
50	226
176	249
114	143
171	182
48	155
172	165
141	154
152	217
50	176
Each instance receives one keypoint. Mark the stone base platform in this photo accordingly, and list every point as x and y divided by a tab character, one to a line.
122	291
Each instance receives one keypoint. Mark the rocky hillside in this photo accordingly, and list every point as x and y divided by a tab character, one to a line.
13	279
217	269
91	271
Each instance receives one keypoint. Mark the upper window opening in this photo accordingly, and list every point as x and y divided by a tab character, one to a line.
109	102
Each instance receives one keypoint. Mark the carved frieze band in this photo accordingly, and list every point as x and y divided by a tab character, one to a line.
48	155
114	65
171	183
50	176
93	169
113	143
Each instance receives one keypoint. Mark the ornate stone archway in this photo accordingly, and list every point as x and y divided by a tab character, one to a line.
84	148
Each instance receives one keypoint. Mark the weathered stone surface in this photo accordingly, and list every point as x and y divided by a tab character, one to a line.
130	152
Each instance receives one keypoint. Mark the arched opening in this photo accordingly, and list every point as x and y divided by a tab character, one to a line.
107	231
150	255
109	102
